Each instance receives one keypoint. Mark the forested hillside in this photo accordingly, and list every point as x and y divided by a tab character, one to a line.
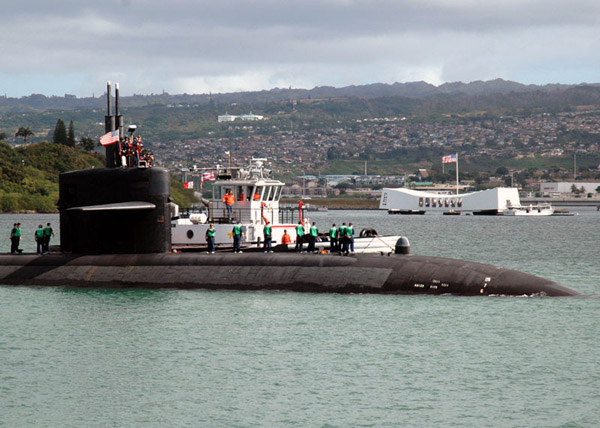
29	174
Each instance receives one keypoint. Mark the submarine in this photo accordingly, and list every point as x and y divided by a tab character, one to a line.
115	226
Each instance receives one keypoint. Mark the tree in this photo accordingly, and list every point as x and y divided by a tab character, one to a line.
502	170
3	136
24	132
60	133
71	135
87	144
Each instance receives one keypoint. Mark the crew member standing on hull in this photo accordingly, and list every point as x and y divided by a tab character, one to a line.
342	245
314	233
350	237
268	239
286	239
333	238
15	238
299	237
210	238
238	234
39	239
48	233
229	200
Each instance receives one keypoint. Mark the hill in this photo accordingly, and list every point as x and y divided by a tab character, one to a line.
413	90
164	122
29	174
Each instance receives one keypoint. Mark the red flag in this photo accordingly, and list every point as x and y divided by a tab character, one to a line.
208	176
110	137
188	185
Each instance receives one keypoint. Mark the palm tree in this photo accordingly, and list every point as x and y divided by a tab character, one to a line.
24	132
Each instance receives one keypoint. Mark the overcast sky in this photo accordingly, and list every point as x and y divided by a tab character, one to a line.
200	46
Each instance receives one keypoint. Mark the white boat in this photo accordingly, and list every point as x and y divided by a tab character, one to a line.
256	203
384	244
528	210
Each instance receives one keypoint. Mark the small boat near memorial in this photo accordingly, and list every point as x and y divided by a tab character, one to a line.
529	210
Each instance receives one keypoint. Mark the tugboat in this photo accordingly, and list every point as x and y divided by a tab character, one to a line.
257	198
256	204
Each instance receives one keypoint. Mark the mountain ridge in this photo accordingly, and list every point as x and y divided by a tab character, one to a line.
413	90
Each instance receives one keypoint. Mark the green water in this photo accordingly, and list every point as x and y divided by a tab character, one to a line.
131	358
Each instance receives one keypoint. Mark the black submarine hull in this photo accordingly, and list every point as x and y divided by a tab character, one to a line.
362	273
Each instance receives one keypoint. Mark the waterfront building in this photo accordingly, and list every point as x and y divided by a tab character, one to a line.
567	187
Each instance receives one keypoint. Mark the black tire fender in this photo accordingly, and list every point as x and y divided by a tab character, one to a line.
367	233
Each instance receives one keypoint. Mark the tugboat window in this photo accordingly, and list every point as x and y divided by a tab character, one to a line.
240	193
277	193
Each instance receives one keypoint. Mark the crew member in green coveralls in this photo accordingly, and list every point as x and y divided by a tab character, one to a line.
299	236
350	238
15	239
238	234
268	239
39	239
210	238
314	232
333	238
342	243
48	233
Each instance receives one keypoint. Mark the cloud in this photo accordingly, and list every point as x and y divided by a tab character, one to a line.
207	46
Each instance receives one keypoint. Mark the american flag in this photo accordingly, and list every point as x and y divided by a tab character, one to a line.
110	137
449	158
208	176
188	185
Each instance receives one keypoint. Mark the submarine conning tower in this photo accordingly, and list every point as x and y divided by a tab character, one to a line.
115	210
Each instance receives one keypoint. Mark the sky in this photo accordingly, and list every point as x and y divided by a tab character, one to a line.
201	46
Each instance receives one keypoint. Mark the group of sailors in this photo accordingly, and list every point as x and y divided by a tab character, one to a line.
42	238
132	153
341	238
